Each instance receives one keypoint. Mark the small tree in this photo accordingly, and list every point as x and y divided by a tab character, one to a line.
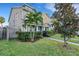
32	20
66	22
2	20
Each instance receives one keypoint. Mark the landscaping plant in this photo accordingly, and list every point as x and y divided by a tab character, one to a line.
66	20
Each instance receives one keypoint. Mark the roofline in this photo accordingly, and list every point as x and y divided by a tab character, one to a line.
10	14
45	14
25	5
30	7
19	7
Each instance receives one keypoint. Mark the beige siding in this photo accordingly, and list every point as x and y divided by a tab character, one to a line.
16	19
45	20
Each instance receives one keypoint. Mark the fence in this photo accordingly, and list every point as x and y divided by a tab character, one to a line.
3	33
7	32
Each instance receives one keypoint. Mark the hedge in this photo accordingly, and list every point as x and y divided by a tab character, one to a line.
25	36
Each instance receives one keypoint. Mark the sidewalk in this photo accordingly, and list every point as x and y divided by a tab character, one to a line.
62	41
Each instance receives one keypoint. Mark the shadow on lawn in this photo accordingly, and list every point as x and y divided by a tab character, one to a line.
27	40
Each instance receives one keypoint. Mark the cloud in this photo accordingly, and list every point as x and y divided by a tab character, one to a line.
50	6
76	6
5	24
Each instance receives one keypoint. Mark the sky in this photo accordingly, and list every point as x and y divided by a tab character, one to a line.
48	8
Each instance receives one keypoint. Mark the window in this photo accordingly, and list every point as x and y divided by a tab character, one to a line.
46	28
40	28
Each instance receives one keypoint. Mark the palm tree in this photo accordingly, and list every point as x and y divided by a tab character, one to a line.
32	20
28	21
2	20
38	20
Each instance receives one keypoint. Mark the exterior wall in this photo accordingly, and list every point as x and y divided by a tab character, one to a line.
16	20
46	22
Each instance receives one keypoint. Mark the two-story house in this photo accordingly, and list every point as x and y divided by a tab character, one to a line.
16	20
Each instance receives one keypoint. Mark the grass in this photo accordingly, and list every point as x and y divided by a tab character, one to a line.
42	47
58	36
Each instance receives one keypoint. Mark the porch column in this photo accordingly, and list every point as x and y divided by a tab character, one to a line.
37	29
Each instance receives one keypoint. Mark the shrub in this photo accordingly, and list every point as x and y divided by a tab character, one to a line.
38	35
45	34
48	33
25	36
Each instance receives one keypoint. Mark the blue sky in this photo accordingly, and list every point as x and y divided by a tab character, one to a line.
42	7
6	7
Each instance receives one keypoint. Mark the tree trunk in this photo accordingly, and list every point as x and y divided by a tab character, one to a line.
31	35
35	30
65	41
30	32
42	31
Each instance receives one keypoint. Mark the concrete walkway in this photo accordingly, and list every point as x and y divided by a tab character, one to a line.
62	41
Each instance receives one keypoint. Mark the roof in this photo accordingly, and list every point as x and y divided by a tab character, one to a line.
10	14
19	7
29	6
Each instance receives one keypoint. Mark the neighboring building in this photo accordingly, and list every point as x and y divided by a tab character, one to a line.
46	22
16	20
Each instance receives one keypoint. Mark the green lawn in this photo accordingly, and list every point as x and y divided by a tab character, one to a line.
42	47
58	36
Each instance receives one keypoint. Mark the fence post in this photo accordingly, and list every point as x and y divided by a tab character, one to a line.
7	33
1	29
